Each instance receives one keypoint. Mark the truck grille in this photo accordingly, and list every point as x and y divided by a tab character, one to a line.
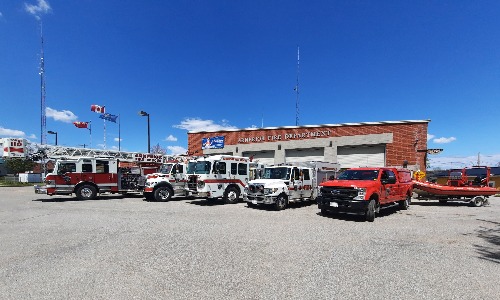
256	189
340	193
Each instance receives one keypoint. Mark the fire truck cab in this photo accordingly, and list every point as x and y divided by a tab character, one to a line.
219	176
169	181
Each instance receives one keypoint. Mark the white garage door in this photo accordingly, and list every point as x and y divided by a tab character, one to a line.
361	156
304	155
263	157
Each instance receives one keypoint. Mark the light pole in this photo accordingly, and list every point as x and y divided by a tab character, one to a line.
53	132
145	114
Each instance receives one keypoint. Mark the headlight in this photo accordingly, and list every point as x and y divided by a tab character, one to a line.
361	194
268	191
201	184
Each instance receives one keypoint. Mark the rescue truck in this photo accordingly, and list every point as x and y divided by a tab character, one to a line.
170	181
219	176
284	184
89	172
365	191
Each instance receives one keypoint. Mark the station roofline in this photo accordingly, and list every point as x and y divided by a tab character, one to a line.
318	126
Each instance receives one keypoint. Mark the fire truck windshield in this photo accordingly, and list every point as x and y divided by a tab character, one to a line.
202	167
166	168
191	167
276	173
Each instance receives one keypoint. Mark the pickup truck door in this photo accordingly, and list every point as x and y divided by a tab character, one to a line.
389	187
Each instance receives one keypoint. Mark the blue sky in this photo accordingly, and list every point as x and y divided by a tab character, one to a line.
209	65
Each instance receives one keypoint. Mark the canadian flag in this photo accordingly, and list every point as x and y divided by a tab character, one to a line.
97	108
81	124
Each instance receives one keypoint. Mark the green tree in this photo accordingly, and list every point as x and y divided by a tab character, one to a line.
19	165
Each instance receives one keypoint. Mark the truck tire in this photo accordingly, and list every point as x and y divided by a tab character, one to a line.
405	204
86	192
280	203
370	211
477	201
231	195
163	193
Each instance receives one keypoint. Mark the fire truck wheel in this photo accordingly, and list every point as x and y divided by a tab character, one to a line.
231	195
405	204
280	203
370	211
163	194
477	201
86	192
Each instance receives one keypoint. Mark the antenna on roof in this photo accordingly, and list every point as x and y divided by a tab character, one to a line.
297	89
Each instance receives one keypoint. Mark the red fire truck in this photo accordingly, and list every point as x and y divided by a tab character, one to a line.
89	172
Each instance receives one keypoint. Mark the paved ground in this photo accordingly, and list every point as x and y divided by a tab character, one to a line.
126	248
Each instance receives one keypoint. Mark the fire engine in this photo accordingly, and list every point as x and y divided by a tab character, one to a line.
220	176
170	181
283	184
87	172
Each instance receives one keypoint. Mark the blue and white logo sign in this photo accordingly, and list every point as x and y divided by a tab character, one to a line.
216	142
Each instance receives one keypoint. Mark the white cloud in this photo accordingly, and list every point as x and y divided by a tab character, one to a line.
42	7
171	138
444	140
65	116
430	137
175	150
11	132
117	140
196	124
32	136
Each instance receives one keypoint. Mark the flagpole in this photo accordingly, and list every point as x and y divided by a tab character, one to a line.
104	133
119	137
90	129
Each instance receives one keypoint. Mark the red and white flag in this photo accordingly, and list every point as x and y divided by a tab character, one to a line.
97	108
81	124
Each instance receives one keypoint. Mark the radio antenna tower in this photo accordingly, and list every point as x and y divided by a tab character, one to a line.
43	118
297	89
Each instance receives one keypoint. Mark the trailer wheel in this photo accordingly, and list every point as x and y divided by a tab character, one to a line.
280	203
86	192
370	211
163	193
324	211
477	201
231	195
405	204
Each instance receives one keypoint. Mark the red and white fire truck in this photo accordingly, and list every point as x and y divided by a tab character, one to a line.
170	181
89	172
220	176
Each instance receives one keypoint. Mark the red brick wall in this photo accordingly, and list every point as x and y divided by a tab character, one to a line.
407	138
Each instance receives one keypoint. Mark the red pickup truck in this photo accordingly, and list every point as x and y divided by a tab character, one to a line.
365	190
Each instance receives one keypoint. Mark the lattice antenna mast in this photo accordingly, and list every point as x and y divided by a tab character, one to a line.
43	118
297	89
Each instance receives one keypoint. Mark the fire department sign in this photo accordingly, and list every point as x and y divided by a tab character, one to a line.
216	142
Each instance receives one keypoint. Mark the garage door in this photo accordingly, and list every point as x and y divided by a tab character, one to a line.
361	156
263	157
304	155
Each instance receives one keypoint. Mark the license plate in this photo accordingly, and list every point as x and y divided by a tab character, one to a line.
254	201
334	204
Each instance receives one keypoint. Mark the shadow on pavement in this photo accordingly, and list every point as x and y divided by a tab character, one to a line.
490	252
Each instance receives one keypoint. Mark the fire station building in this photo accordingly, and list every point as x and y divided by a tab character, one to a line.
382	144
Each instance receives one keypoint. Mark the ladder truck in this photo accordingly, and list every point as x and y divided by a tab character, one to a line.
87	172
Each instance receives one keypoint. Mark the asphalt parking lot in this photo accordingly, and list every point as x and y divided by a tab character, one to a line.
127	248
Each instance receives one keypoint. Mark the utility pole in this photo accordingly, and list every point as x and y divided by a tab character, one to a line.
297	89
